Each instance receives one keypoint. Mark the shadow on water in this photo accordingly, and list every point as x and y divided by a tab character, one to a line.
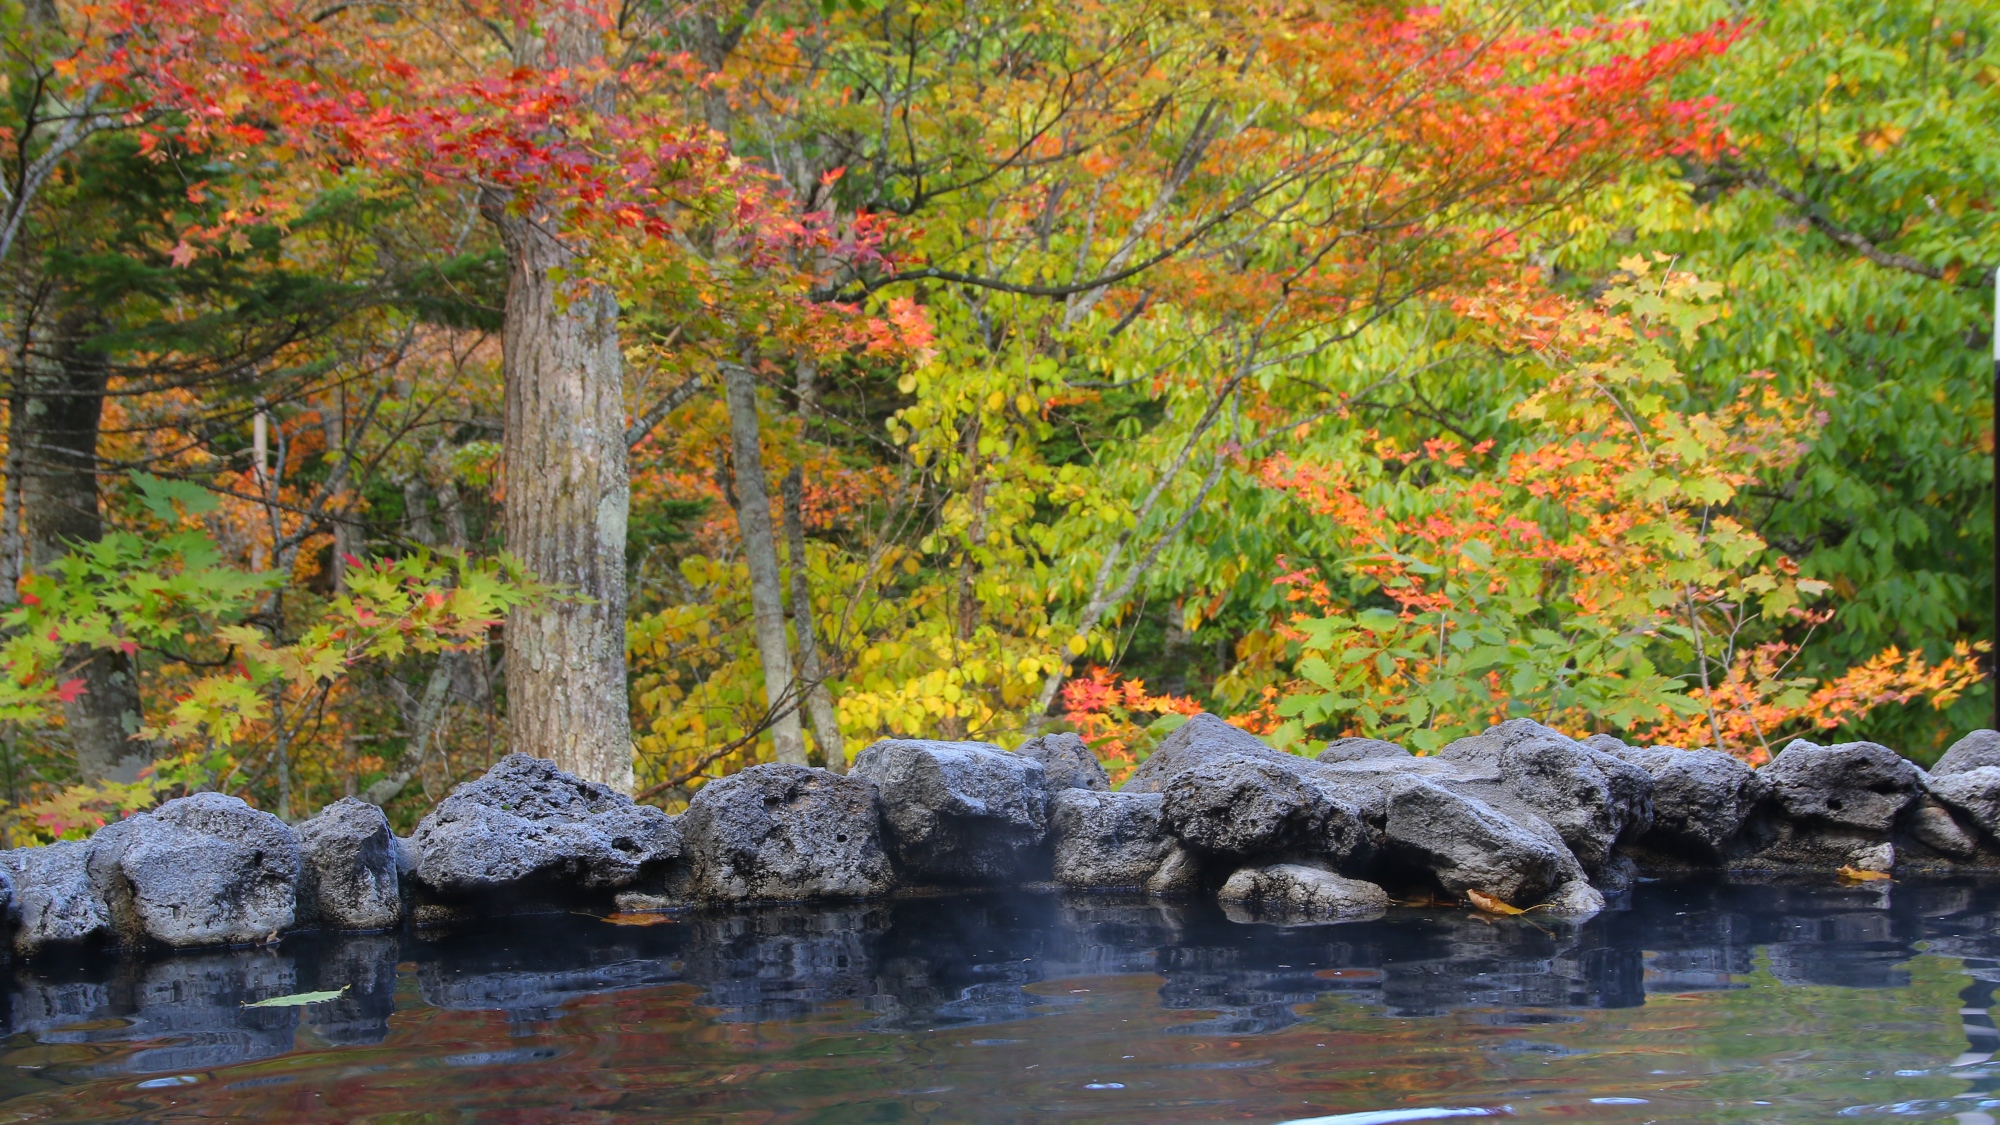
929	966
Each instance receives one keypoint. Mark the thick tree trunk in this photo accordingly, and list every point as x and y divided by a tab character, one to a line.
767	599
812	672
568	494
56	436
568	499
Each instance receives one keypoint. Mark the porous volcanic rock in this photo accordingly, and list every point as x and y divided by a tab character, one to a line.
1361	750
959	812
1067	762
1467	843
1202	737
528	826
1701	798
201	870
53	904
784	833
1855	785
1937	827
1569	785
1181	874
1973	792
1980	748
1242	805
349	877
1294	892
1106	840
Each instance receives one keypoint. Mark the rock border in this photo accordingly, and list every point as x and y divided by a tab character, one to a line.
1518	818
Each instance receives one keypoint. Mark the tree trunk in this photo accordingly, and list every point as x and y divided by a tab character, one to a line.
812	673
563	456
56	440
767	599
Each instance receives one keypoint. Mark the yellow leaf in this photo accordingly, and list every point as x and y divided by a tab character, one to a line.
1857	875
1490	904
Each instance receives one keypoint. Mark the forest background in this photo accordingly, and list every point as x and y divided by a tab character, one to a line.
665	388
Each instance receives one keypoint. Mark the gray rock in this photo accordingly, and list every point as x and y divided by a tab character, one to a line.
1293	892
1200	738
529	825
1241	805
1701	798
1180	874
202	870
53	902
959	812
1564	782
1361	750
1781	846
786	834
1105	840
349	877
1972	792
1468	844
1934	826
1980	748
1067	762
1853	785
1574	901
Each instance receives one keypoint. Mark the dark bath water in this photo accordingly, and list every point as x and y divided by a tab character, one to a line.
1698	1003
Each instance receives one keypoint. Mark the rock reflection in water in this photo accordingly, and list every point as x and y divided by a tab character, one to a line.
921	965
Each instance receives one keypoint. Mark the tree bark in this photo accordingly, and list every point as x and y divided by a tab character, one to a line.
56	438
812	673
767	600
563	455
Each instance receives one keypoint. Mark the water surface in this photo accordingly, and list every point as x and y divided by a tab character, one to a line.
1694	1003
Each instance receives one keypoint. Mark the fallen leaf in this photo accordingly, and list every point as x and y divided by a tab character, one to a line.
1490	904
1857	875
623	919
297	999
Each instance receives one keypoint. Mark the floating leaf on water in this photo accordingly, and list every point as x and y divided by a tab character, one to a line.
1857	875
1490	904
624	919
298	998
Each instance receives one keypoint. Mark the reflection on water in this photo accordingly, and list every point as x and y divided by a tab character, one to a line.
1694	1002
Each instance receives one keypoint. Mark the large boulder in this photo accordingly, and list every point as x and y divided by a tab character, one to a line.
1362	750
1241	805
784	833
1587	795
1200	738
201	870
1067	762
1701	798
1294	893
1106	840
1936	826
1975	793
1855	785
1980	748
959	812
528	826
1467	844
349	877
54	905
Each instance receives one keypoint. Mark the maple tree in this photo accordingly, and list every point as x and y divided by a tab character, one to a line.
834	371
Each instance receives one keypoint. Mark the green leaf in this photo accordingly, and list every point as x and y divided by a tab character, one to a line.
159	497
299	999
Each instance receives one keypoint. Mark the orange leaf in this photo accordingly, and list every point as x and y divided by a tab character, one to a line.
1490	904
623	919
1857	875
